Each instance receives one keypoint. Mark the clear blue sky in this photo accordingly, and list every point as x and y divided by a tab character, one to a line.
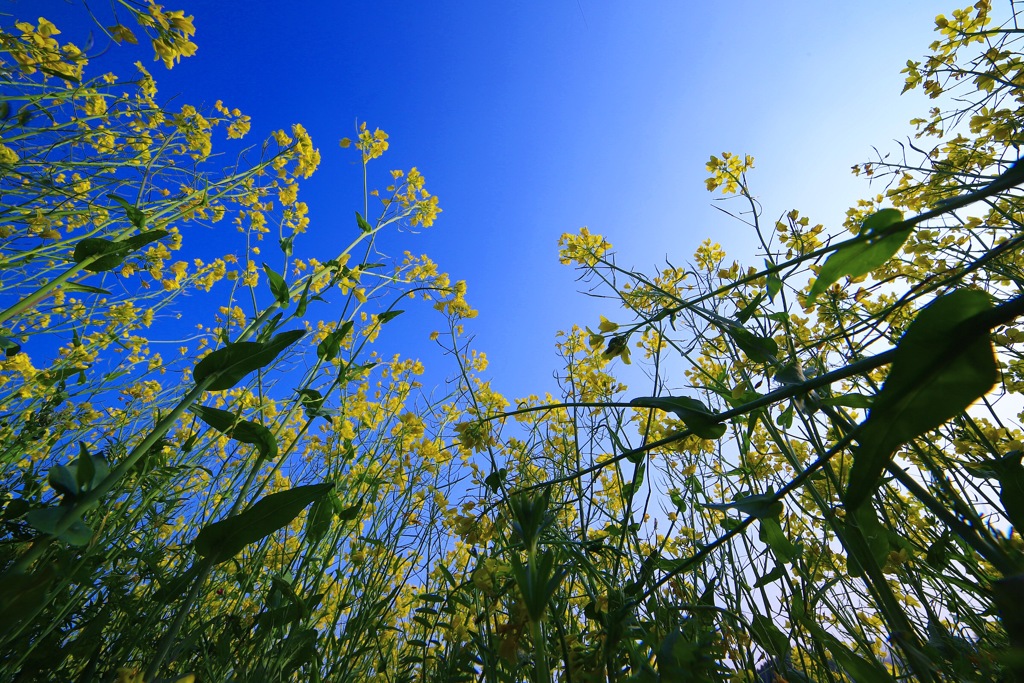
531	119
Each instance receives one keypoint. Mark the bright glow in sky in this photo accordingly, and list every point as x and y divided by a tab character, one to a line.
533	119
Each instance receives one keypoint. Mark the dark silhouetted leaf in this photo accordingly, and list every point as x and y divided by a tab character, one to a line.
759	506
46	520
223	540
939	369
766	634
694	414
99	255
229	424
230	364
861	257
758	349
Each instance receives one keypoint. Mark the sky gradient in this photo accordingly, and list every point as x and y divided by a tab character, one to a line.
533	119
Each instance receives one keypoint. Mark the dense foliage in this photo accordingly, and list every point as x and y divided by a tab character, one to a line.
820	481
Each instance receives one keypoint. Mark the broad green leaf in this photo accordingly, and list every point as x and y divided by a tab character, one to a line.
694	414
939	369
1008	595
10	347
100	255
318	522
1009	178
759	506
1011	495
329	348
23	595
865	521
766	634
495	479
174	587
223	540
231	425
136	242
85	468
758	349
230	364
772	535
63	480
300	309
863	256
278	287
47	519
351	512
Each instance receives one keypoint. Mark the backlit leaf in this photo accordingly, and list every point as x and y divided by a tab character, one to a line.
223	540
863	256
939	369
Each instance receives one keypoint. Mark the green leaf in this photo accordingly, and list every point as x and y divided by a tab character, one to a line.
939	369
135	214
85	468
361	222
744	314
774	281
223	540
766	634
329	348
230	364
772	535
759	506
10	347
23	595
278	287
758	349
318	522
47	519
300	309
63	480
854	665
100	255
136	242
774	575
388	315
75	287
694	414
351	512
849	401
863	256
495	479
1009	178
231	425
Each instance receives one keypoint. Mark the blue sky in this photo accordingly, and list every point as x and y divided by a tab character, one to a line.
536	118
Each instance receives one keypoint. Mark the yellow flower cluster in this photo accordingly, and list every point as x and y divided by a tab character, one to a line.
583	248
727	172
372	145
173	32
38	50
